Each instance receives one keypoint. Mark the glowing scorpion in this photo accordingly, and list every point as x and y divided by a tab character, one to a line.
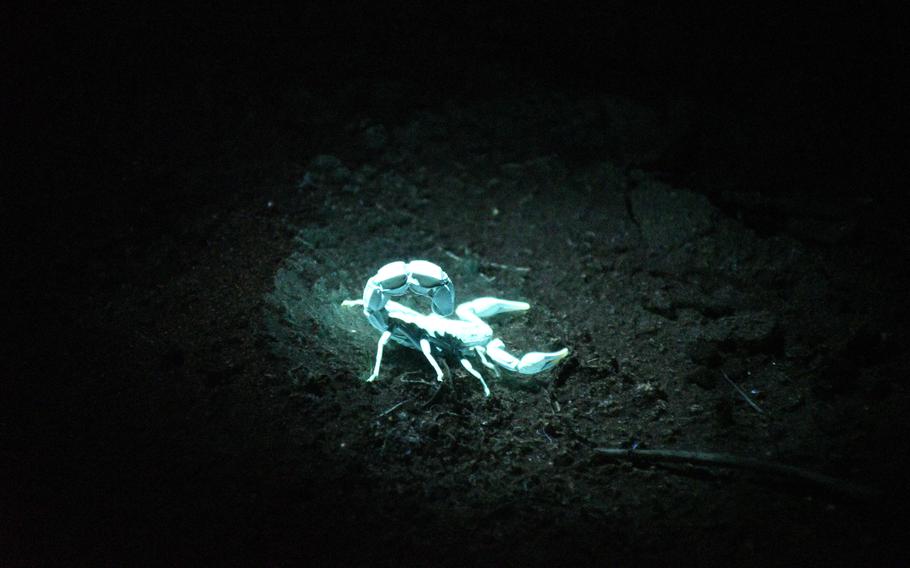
437	333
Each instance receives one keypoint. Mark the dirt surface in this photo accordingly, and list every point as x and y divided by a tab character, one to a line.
212	403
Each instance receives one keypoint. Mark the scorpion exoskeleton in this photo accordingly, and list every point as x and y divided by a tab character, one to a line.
438	333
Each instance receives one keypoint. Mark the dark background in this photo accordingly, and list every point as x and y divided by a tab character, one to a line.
105	108
776	95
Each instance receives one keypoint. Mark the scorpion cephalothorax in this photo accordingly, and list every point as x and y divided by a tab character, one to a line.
437	333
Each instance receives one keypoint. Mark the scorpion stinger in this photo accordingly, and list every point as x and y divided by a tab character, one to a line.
437	333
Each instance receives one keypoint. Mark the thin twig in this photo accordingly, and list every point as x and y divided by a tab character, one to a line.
394	407
433	397
418	382
738	462
743	394
554	403
508	267
402	378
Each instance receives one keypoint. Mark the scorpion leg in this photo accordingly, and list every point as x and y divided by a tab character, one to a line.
383	339
425	347
530	364
482	355
467	365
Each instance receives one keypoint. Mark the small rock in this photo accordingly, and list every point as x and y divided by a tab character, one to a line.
649	392
660	303
648	323
753	332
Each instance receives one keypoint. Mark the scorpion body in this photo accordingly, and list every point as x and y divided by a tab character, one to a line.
437	333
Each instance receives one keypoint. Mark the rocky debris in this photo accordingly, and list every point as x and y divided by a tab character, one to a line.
670	217
751	332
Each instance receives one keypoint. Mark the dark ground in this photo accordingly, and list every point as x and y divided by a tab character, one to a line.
682	205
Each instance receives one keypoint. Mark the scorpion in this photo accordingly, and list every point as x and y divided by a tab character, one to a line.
438	333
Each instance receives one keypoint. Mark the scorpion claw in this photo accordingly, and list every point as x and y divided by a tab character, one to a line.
444	298
487	306
421	277
530	364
